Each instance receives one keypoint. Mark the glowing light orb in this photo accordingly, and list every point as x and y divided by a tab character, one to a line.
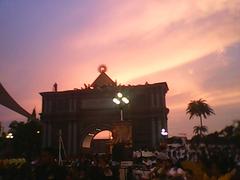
102	68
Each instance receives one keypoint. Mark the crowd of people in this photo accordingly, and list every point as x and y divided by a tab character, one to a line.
188	162
199	162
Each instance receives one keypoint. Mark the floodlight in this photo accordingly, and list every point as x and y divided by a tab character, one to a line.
164	132
116	101
119	95
125	100
9	136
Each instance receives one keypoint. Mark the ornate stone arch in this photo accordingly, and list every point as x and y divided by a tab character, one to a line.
91	131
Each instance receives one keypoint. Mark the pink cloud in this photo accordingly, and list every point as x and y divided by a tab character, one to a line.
140	32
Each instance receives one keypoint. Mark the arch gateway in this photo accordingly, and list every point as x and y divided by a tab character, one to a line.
81	113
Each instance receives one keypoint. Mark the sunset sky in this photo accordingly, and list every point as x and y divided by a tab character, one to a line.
192	45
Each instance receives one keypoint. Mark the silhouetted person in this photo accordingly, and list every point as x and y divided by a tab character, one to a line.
55	87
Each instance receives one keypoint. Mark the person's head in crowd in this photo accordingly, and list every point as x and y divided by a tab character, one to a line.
47	156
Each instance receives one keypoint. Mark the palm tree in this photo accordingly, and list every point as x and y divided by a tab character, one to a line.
198	129
201	109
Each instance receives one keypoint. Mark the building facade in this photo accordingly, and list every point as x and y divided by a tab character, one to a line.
82	113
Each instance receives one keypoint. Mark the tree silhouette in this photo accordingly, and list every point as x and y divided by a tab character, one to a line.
27	137
201	109
197	130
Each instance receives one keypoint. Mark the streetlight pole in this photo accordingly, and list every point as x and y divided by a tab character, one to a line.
121	112
120	100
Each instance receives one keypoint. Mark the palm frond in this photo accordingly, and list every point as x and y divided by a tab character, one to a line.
198	129
199	108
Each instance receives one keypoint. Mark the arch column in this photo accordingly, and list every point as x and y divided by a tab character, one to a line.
70	137
49	134
74	138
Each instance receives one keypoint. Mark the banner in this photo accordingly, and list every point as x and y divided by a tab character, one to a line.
122	133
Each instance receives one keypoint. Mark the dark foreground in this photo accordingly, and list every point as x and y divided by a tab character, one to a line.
172	163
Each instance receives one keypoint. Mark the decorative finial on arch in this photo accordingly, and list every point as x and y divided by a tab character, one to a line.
102	68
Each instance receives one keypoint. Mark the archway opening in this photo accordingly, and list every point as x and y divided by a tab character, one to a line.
105	134
98	141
